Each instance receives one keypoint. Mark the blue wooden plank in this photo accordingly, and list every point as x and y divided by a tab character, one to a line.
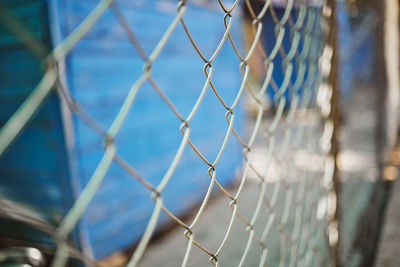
100	71
33	170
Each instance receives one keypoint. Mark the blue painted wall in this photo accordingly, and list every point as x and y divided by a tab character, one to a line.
99	73
269	37
356	66
33	171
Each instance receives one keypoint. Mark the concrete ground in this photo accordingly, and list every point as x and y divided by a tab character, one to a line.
170	249
389	245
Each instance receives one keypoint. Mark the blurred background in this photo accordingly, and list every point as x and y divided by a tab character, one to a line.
195	133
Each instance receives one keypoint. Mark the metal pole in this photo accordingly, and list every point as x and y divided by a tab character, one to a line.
334	117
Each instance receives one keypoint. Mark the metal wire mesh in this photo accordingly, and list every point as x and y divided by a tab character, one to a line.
286	148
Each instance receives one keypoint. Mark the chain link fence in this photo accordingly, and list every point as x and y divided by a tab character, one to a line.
272	95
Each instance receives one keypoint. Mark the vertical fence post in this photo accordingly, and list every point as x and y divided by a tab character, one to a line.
334	118
390	49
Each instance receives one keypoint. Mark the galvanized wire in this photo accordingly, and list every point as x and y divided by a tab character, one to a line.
302	193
